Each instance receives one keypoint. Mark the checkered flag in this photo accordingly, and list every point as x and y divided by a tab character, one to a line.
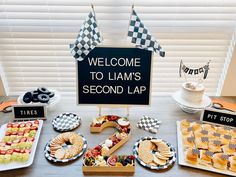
141	37
149	124
88	38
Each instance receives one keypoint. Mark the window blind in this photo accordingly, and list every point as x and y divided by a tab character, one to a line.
34	39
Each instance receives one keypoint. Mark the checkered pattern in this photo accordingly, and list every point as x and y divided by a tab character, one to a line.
141	37
48	156
88	38
66	122
159	167
149	124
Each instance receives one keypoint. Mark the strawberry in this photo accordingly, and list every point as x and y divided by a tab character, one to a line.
26	131
8	134
112	118
31	139
27	151
9	125
8	143
98	148
13	133
22	125
15	125
16	150
29	124
21	133
2	152
33	128
36	122
131	157
97	125
24	139
9	151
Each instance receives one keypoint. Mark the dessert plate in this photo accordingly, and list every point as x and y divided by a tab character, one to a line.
169	163
181	160
206	101
66	122
16	165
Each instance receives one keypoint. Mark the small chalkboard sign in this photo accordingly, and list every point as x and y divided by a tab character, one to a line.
220	117
114	76
29	112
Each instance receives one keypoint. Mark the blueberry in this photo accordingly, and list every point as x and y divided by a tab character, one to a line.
27	98
127	160
124	163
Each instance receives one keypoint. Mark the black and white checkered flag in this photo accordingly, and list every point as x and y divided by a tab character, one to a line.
149	124
88	38
141	37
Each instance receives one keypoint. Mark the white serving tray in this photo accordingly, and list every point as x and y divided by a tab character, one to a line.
181	160
16	165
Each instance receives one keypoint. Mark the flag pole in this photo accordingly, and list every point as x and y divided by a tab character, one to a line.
130	17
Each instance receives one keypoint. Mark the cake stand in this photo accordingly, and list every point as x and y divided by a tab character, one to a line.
190	107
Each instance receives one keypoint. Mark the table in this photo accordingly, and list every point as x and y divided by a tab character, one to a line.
163	108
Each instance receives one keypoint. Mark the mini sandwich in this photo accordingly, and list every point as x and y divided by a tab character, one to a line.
229	149
232	163
206	157
220	161
201	133
188	142
184	124
233	132
225	139
196	126
223	130
214	146
187	132
214	136
191	156
202	143
208	127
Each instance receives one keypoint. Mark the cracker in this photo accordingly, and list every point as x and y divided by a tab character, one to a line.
60	153
158	161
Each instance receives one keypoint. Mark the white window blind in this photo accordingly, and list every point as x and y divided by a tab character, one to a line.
34	39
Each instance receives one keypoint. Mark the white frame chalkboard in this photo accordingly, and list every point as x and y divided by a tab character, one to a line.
114	105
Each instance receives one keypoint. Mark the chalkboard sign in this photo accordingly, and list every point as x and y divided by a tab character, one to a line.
29	112
116	76
219	117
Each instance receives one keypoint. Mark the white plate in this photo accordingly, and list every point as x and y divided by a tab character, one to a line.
181	160
16	165
206	101
50	105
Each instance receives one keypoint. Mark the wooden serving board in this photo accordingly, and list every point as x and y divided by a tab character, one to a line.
181	157
108	170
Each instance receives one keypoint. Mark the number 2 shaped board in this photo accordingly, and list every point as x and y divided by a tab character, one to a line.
99	159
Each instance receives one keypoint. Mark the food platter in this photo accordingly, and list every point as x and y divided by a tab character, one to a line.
15	164
169	161
65	146
182	161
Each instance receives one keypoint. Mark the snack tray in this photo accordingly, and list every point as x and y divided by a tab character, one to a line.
181	160
16	165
